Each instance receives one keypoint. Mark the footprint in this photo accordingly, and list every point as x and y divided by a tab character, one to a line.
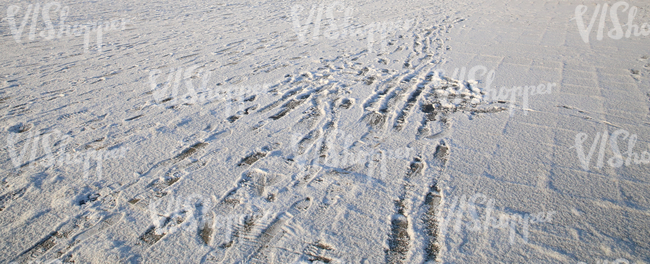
399	240
432	202
319	251
252	158
68	236
7	198
62	249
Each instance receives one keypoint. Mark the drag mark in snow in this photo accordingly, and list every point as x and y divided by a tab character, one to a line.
290	106
294	103
133	118
273	230
284	97
375	98
400	121
189	151
239	229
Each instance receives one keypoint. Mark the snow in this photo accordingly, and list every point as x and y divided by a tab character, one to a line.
443	131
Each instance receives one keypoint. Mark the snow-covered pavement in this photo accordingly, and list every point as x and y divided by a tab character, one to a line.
337	132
